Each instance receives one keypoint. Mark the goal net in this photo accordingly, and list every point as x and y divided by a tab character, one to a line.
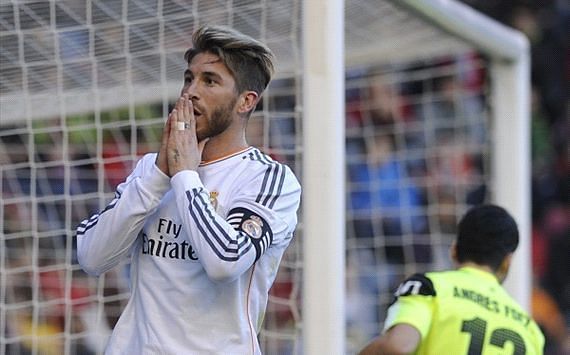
85	88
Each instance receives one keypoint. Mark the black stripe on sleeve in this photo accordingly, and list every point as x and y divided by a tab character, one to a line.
220	242
254	226
92	221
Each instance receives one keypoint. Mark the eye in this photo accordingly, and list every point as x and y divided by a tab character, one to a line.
210	81
187	80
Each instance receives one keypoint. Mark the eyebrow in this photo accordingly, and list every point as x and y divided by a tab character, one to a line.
210	74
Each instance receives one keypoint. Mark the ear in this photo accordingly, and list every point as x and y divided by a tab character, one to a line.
453	252
247	101
503	269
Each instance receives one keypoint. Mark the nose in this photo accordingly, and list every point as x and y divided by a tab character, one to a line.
191	90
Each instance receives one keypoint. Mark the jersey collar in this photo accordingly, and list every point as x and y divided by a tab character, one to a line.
479	273
231	155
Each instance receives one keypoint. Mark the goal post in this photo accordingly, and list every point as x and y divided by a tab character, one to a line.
323	177
508	52
511	96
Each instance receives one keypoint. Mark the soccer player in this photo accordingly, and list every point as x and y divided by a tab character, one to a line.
206	220
463	311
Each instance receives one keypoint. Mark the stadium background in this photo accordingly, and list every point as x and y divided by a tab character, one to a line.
62	304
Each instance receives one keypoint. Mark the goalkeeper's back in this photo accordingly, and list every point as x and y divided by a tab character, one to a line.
463	311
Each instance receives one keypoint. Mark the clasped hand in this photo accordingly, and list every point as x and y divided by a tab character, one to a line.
179	148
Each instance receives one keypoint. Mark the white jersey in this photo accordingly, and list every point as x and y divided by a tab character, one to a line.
204	249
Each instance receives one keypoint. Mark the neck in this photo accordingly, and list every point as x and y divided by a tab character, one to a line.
500	274
477	266
223	145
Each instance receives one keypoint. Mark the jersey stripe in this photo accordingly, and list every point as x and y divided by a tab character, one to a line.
242	239
279	187
273	179
272	187
92	221
204	219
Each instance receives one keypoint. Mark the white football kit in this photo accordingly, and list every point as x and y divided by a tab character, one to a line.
204	249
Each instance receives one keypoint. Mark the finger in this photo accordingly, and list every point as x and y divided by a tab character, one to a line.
187	109
191	118
162	156
173	121
178	105
165	133
166	129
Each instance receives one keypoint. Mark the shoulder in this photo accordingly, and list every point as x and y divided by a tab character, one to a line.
417	284
259	160
263	169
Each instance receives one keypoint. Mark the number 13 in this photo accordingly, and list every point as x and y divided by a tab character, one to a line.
499	337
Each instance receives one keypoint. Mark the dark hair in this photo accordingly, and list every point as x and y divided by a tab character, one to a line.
249	61
486	235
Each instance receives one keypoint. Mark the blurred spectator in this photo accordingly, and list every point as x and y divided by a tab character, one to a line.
385	203
546	23
546	27
382	189
547	315
556	226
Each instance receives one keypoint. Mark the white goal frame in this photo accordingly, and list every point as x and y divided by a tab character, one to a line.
323	164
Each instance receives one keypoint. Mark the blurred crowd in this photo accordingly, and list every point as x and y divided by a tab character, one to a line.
546	23
417	140
417	152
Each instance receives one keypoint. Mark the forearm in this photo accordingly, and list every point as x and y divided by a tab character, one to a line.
402	339
380	346
225	253
107	237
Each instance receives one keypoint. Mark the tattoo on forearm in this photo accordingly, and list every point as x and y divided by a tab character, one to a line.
176	155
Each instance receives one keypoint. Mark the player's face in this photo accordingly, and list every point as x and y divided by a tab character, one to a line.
211	87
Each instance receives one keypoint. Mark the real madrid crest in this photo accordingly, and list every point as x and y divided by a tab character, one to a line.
214	199
253	227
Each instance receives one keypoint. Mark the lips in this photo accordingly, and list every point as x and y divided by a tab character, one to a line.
197	111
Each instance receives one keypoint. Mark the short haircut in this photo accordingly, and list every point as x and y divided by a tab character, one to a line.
250	62
486	235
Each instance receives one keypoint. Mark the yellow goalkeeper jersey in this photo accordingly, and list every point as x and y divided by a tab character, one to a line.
464	311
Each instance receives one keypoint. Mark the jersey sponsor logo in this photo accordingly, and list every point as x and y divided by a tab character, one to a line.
163	244
168	227
410	287
417	284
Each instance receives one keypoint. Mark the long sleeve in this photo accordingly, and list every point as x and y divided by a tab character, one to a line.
107	237
229	246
